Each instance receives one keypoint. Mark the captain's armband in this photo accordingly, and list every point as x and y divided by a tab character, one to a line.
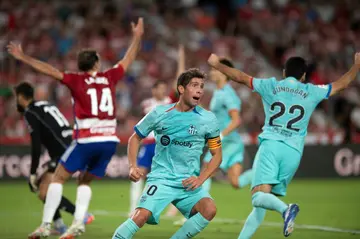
214	143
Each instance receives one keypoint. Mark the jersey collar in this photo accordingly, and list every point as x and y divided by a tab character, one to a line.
196	111
291	78
30	106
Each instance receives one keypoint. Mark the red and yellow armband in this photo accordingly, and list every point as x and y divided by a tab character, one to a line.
214	143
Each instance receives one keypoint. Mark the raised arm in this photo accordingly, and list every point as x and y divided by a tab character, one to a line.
234	74
130	55
347	78
16	51
180	65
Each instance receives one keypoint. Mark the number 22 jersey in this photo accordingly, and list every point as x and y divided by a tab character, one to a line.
94	104
288	105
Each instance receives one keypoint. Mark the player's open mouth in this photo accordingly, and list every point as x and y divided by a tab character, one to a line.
196	98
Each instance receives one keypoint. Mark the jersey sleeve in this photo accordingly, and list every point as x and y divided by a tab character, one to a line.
262	86
69	80
146	124
213	128
320	92
116	73
213	134
232	102
34	128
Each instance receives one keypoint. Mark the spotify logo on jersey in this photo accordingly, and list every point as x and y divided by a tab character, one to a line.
165	140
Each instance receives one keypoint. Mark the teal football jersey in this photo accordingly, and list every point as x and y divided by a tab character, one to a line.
222	101
180	140
288	105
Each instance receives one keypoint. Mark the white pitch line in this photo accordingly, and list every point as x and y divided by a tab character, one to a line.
235	221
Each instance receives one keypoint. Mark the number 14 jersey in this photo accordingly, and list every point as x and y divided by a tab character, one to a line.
288	105
94	104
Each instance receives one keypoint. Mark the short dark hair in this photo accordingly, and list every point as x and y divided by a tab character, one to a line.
25	89
159	82
87	58
228	63
295	67
185	77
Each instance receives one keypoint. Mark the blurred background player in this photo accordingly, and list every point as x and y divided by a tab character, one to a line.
288	105
147	150
181	131
95	141
47	127
225	104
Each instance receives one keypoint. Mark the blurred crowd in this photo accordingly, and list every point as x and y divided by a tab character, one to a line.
258	35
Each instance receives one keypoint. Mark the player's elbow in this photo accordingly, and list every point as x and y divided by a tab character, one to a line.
237	122
338	87
219	159
343	85
57	75
238	78
134	138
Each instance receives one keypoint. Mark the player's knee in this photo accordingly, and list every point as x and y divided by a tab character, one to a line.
233	181
208	209
83	181
266	188
61	175
256	199
42	195
58	178
85	178
210	213
141	216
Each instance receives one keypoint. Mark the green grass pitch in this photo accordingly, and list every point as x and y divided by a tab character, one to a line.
327	203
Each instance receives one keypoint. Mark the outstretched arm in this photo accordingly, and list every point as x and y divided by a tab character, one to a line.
347	78
234	74
16	51
134	47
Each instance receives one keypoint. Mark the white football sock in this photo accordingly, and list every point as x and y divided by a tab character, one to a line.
135	193
83	198
52	202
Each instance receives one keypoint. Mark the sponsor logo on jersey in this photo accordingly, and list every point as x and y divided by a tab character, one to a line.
165	140
187	144
103	130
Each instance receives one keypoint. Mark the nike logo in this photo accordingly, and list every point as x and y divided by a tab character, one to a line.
163	128
119	236
188	235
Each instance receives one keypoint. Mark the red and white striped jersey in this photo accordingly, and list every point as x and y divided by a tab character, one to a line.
149	104
94	104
